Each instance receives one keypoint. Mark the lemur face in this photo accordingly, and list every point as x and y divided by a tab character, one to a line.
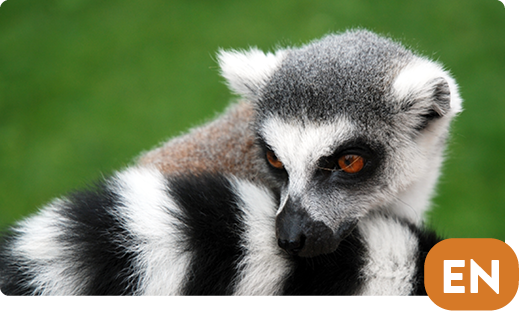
330	177
348	124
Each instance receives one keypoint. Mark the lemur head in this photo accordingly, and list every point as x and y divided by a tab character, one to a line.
347	124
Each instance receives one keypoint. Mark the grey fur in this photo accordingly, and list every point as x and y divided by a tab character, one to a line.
347	74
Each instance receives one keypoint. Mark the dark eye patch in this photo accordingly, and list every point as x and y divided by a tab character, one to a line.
354	148
280	173
329	169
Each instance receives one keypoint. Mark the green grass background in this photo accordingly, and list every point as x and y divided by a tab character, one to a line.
86	86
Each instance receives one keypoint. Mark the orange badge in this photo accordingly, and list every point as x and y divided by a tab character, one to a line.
471	274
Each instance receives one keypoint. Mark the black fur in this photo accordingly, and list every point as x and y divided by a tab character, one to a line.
426	240
336	273
212	232
95	234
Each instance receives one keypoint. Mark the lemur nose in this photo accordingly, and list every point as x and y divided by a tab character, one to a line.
292	246
291	225
298	234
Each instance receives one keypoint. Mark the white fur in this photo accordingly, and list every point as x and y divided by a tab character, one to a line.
390	261
263	268
417	74
299	146
413	80
145	211
40	243
247	71
413	202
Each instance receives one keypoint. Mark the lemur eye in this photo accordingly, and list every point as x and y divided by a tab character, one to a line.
351	163
273	160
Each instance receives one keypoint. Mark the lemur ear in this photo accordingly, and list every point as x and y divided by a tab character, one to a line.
248	71
424	89
439	92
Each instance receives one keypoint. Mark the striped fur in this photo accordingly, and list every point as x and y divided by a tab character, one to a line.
142	233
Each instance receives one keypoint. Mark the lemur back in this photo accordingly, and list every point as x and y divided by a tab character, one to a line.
225	145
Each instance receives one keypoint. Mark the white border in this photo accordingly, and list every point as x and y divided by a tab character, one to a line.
326	304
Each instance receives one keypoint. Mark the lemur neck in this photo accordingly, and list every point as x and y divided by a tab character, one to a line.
414	202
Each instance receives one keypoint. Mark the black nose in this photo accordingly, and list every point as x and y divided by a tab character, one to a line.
298	234
292	224
293	246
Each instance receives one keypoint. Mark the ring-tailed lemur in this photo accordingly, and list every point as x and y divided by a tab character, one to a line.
144	233
346	125
347	133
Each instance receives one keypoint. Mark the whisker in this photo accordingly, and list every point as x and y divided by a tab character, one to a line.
329	169
408	206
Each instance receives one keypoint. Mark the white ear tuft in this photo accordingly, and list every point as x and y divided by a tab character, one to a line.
418	76
248	71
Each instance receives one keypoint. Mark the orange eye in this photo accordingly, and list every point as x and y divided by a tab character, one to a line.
274	161
351	163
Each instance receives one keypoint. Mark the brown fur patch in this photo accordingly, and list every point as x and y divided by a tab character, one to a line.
225	145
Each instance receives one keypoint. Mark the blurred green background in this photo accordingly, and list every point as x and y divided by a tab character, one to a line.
86	86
